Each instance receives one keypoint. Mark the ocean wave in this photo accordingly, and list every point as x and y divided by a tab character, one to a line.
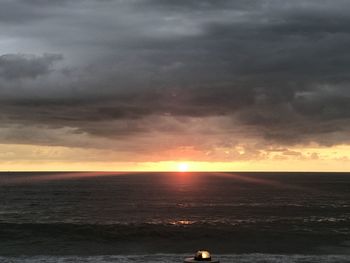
175	258
182	228
62	238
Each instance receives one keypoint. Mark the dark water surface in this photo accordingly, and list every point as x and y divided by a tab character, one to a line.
94	214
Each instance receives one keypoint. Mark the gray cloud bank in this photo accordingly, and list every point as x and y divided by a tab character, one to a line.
17	66
273	70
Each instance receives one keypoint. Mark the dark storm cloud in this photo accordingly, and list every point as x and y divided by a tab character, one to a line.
275	67
194	5
24	11
16	66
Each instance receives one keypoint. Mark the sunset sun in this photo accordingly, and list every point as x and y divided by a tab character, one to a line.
182	167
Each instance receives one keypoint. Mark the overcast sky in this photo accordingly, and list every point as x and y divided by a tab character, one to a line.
157	80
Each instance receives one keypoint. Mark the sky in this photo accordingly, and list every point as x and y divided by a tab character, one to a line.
150	84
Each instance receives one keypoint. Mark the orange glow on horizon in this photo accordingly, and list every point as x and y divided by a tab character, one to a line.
46	158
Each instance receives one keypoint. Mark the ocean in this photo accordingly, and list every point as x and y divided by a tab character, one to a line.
165	217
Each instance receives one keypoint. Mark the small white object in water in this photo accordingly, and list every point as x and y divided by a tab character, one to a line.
201	255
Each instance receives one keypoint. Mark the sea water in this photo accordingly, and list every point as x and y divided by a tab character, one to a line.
164	217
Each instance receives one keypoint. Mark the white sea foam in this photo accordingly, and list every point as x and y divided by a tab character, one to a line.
173	258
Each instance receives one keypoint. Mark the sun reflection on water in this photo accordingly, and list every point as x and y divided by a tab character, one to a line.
181	222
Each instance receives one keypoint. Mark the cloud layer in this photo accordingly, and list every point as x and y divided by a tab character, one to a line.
205	75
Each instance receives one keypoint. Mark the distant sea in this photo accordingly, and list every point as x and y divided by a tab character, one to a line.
164	217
